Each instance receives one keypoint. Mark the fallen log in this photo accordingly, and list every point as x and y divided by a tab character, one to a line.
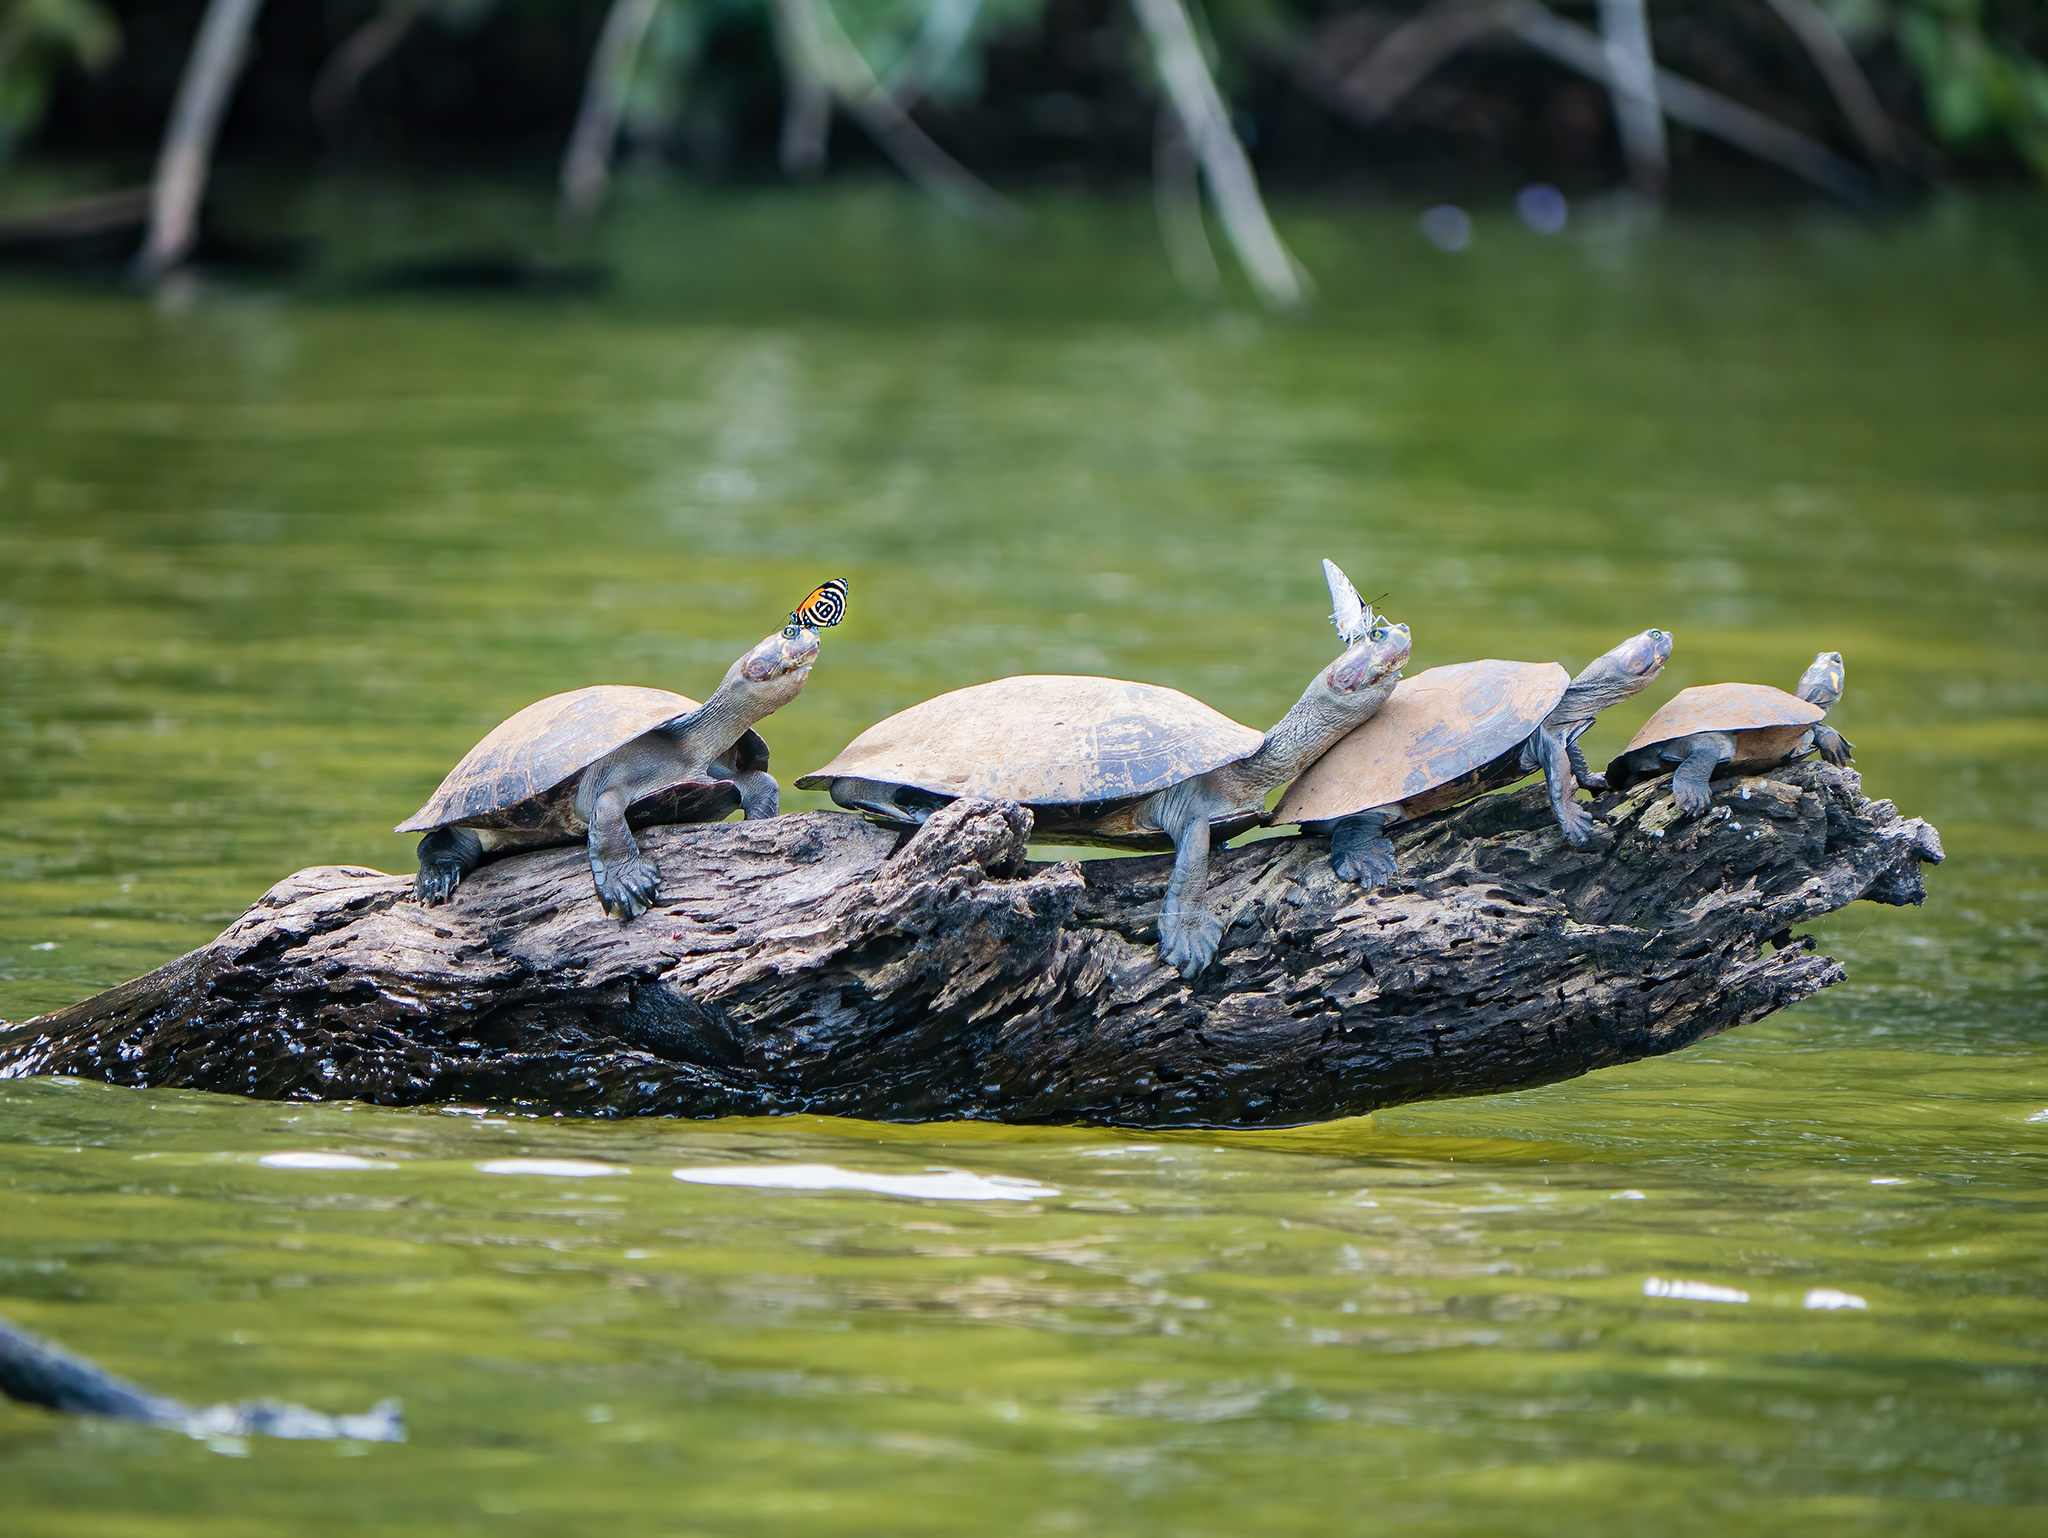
819	963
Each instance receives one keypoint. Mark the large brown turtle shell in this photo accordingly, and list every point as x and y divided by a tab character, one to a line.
1045	740
1723	708
552	740
1768	725
1438	726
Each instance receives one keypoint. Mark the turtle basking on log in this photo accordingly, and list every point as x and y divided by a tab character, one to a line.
1456	732
596	763
1107	761
1744	728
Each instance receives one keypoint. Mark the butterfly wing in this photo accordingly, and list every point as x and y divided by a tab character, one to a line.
1349	613
824	608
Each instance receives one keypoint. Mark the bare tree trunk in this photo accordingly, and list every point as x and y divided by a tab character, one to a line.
1278	279
1632	83
360	52
1376	85
817	963
587	166
824	52
1830	53
1177	195
806	120
947	26
1695	105
217	56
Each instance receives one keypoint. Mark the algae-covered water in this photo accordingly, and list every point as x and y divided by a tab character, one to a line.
271	560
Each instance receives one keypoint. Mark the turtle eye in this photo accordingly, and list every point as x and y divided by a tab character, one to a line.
1379	632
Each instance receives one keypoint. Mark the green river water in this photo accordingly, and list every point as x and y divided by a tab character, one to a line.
271	561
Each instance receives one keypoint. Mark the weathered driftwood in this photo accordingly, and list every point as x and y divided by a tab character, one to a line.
818	963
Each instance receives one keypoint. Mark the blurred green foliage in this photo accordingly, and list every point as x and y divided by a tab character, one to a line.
1979	63
38	37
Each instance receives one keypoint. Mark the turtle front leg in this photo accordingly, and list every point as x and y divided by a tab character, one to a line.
1692	782
1834	747
1554	753
1360	850
760	796
1188	932
446	856
627	881
1583	771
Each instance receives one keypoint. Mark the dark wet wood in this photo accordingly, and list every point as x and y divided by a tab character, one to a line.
818	963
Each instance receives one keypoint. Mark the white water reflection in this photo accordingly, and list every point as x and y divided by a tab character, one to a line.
314	1160
933	1185
1829	1297
1697	1292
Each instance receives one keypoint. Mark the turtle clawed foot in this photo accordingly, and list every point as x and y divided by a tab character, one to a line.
627	889
1367	861
1596	783
1188	939
1576	823
1691	799
435	884
446	856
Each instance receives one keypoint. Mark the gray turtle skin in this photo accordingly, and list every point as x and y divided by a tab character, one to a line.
1698	754
562	779
1359	848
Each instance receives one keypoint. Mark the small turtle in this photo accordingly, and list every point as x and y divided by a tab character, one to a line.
1106	761
1452	733
1748	727
594	764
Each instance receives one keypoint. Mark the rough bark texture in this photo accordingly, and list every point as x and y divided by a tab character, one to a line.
818	963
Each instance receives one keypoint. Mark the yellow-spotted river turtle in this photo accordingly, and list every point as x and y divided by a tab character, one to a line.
594	764
1107	761
1452	733
1743	728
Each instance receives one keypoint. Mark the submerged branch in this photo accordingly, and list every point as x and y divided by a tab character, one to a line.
817	963
34	1372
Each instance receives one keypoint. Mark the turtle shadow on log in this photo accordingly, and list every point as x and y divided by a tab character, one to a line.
818	963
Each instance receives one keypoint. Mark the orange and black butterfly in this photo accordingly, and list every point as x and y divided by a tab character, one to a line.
825	608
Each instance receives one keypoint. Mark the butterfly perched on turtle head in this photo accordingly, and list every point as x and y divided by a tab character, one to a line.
825	608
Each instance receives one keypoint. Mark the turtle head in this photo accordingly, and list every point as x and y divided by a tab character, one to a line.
773	673
1638	659
1821	683
1611	678
1373	661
